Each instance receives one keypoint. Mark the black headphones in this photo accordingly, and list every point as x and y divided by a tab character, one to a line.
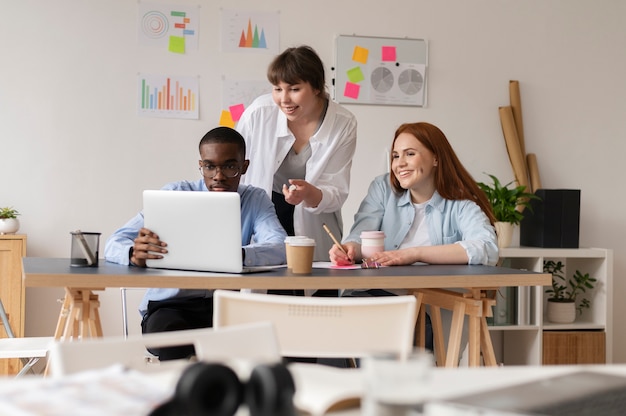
214	389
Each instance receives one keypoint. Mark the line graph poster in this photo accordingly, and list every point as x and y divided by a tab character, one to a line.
250	32
383	71
167	96
171	27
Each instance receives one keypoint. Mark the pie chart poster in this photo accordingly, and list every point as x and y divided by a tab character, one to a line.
381	71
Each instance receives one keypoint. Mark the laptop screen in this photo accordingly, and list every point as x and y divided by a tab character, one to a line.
202	229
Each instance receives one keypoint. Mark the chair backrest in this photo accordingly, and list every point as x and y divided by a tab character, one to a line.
324	327
254	342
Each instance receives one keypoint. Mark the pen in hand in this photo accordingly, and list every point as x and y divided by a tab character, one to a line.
335	240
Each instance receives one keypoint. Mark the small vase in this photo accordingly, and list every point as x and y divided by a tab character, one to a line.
561	312
9	225
504	231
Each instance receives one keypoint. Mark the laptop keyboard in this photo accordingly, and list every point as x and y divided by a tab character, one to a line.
604	403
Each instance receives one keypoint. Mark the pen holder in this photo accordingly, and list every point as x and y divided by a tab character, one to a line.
84	249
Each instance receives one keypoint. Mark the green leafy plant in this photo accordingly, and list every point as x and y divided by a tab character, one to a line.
505	201
8	212
567	290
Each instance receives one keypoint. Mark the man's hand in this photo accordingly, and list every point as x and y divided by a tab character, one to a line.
147	246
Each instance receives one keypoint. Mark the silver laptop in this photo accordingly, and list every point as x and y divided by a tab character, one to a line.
202	230
580	393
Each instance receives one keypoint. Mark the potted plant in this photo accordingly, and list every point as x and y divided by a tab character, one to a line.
507	204
9	224
562	303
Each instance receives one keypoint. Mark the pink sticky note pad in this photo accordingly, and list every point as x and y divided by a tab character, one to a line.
389	53
352	90
236	111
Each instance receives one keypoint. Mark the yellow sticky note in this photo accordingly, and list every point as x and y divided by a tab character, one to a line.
226	119
360	54
177	44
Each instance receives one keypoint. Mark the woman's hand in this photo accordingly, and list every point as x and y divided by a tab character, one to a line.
339	258
147	246
300	190
396	257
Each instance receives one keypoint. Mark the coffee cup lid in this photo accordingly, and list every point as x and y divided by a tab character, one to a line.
372	234
291	238
302	242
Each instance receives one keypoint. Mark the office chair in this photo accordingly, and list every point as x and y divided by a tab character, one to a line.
324	327
29	349
251	342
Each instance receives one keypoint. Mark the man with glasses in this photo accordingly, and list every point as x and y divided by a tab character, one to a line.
222	162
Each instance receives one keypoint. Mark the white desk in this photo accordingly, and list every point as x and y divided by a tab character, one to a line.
137	393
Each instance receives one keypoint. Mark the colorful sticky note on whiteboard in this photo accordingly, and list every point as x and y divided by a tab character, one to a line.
226	119
389	53
352	90
355	74
177	44
236	111
360	54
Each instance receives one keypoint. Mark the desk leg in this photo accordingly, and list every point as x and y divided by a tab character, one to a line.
438	338
63	315
474	341
485	342
456	331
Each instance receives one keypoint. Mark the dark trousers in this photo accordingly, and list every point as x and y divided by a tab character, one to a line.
176	315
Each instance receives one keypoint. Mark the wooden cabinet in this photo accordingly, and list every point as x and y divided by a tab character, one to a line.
531	339
12	249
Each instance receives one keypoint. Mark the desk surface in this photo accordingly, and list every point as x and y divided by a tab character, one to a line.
112	391
57	272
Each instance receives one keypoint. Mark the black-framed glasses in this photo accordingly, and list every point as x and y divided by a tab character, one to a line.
230	170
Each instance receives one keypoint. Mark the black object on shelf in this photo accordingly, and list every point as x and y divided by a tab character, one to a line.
554	220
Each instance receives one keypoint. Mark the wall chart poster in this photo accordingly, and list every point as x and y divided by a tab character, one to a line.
171	27
382	71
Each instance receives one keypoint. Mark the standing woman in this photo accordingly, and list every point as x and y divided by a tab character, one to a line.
305	142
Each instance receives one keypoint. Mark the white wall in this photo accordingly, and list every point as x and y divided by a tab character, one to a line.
75	155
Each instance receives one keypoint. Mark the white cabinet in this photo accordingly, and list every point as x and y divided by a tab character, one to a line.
522	343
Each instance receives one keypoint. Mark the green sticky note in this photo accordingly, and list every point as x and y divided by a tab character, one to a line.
177	44
355	74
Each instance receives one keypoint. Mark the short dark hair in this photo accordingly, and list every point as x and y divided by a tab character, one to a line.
224	135
295	65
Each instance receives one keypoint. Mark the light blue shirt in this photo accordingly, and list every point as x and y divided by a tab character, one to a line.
258	221
448	221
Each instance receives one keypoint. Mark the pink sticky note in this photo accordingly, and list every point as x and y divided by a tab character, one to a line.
389	53
351	90
236	111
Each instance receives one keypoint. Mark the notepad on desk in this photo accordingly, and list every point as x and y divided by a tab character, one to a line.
320	388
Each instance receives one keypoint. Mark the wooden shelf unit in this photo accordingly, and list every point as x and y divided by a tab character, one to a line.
12	249
534	341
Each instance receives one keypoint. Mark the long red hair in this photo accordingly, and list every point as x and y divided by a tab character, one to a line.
452	180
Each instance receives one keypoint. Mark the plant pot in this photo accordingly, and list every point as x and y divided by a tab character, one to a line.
9	225
504	231
561	312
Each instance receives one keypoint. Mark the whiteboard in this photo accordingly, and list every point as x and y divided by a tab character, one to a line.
380	71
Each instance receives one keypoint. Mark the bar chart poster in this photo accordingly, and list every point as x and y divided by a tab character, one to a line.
166	96
250	32
171	27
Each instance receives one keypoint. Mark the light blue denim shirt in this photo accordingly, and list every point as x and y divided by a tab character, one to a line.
449	221
258	220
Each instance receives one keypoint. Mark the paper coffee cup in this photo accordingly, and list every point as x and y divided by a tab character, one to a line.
288	247
301	253
372	242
